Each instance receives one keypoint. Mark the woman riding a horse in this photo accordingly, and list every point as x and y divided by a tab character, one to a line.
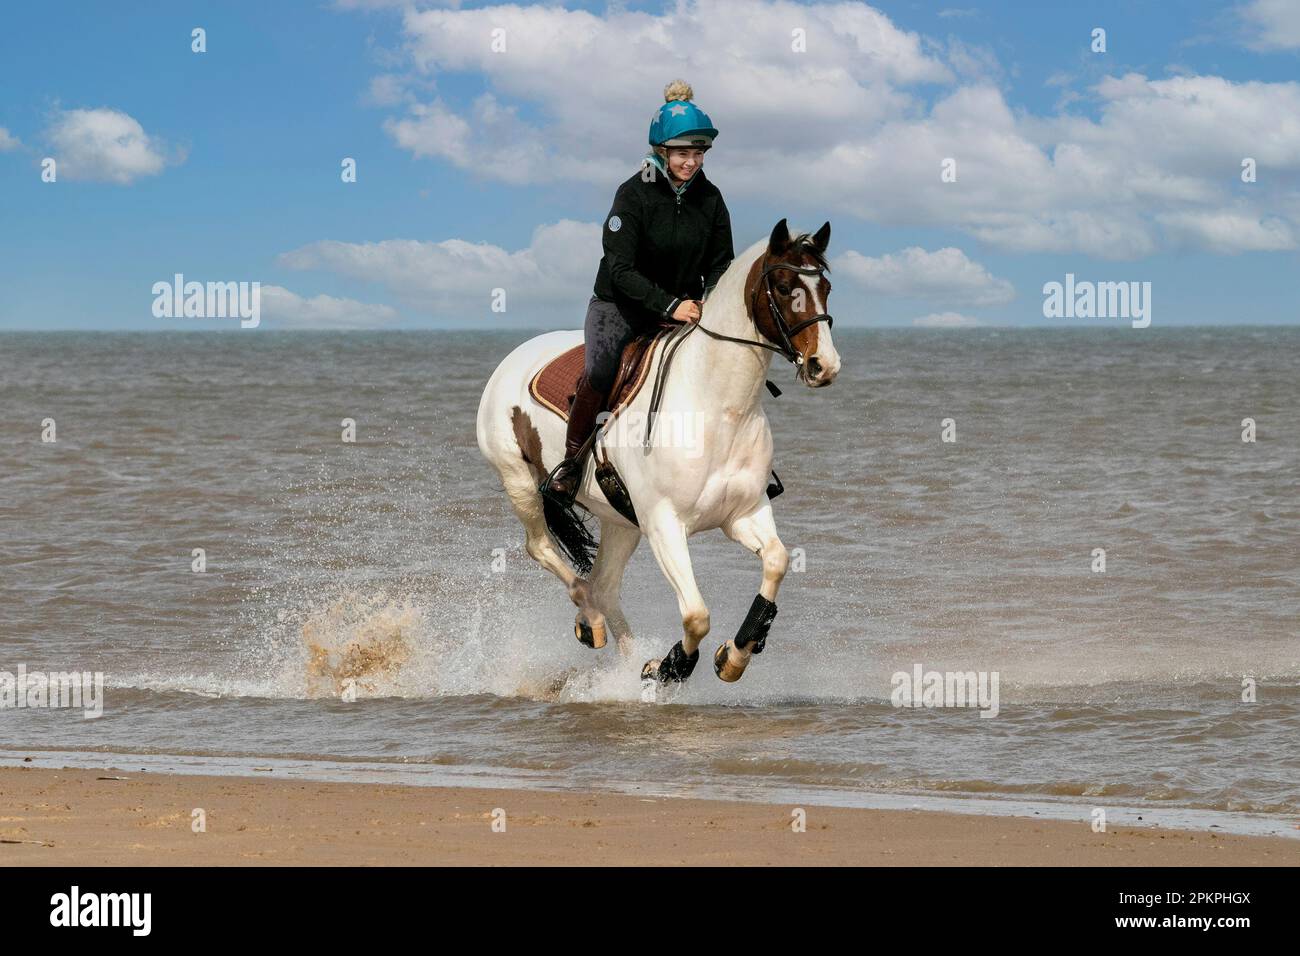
667	240
667	243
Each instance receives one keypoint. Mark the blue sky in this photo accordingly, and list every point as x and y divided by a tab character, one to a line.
480	170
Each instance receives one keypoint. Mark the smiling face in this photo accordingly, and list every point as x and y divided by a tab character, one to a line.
683	161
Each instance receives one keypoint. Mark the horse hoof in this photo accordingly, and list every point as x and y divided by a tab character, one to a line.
588	636
674	668
725	668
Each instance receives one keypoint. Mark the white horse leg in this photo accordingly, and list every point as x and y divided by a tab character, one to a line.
757	532
667	537
520	483
617	543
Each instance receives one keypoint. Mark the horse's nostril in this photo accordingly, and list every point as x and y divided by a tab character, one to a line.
814	366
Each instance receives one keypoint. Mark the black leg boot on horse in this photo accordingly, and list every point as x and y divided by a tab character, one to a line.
562	483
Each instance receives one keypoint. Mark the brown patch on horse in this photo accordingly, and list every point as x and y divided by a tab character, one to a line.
758	311
530	442
806	340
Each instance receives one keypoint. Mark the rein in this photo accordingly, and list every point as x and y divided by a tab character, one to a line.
785	349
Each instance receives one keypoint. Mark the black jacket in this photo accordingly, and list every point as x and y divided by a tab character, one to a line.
662	246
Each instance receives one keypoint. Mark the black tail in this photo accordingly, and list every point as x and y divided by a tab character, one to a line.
570	531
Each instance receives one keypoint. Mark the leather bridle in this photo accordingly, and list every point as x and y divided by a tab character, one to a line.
785	347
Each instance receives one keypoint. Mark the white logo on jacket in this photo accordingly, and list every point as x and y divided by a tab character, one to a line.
615	223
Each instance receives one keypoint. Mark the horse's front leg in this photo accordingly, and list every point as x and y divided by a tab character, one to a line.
757	532
617	542
667	536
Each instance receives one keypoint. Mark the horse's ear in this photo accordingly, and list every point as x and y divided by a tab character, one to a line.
821	239
780	238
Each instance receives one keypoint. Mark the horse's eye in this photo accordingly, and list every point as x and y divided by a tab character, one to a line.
783	289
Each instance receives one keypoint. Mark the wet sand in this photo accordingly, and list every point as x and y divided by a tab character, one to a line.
73	817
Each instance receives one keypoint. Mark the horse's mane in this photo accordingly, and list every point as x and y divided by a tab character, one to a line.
803	242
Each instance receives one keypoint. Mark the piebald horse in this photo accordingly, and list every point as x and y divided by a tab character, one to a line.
771	299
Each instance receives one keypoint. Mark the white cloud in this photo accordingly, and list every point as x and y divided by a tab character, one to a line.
1272	24
1069	183
281	307
945	320
105	145
1227	232
974	63
8	141
386	89
554	56
858	124
455	279
493	142
550	279
945	275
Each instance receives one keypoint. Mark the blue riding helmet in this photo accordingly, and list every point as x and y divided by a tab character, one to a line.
681	123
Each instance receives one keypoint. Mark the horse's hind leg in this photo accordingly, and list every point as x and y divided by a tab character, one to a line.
520	483
617	542
757	532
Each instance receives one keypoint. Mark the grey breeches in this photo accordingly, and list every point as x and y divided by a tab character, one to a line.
605	333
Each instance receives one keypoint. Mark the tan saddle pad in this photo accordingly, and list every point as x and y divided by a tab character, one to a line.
557	381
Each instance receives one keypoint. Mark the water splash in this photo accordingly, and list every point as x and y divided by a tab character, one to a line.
359	645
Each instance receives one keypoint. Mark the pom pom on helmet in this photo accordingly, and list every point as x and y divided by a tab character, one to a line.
678	90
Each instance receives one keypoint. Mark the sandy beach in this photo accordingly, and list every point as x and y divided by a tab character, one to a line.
86	817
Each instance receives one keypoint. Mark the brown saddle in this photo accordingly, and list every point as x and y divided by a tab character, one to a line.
556	383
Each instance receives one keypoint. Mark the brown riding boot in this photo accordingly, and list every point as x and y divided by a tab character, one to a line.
587	404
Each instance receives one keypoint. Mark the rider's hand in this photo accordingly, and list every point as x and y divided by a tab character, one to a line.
688	311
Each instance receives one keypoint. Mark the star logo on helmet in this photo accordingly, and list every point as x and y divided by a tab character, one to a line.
678	109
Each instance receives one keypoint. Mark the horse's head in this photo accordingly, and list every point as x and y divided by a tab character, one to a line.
787	295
